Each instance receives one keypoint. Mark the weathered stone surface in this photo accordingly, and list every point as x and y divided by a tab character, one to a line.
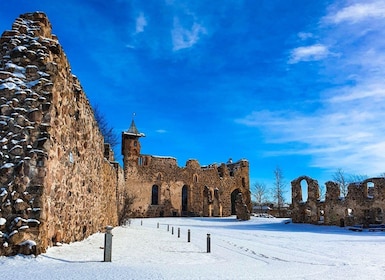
364	203
53	174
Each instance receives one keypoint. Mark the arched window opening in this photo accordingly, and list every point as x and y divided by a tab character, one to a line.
304	190
350	212
155	195
184	200
370	188
195	178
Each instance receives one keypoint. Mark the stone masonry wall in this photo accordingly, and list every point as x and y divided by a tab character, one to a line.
208	188
56	185
364	204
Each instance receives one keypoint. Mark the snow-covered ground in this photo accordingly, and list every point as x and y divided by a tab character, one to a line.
257	249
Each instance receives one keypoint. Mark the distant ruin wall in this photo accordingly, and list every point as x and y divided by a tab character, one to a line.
364	203
56	185
162	188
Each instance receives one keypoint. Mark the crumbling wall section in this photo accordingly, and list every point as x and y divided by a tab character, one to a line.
306	211
364	203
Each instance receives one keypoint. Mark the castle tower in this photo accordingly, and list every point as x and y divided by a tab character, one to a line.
131	145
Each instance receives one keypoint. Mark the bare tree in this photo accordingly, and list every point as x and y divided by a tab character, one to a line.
107	131
343	180
125	211
279	188
260	193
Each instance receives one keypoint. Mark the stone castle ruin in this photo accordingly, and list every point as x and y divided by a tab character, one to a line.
59	181
363	205
161	188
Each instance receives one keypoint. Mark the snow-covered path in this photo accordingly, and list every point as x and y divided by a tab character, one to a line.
257	249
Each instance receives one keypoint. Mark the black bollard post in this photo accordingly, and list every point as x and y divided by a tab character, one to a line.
188	236
178	232
208	243
108	244
168	227
157	225
172	230
141	222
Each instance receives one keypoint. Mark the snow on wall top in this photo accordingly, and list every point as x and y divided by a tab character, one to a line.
25	100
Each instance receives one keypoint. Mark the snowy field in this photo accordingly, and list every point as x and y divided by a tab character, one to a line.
257	249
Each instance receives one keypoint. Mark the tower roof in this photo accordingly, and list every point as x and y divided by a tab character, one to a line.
133	131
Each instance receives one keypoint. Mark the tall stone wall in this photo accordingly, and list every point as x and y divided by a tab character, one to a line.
56	185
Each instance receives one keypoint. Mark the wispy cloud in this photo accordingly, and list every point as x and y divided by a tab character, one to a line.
183	37
359	12
308	53
141	23
347	129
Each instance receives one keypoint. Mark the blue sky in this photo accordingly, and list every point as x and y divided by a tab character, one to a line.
289	83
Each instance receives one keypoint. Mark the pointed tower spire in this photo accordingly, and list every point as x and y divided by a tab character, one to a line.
133	131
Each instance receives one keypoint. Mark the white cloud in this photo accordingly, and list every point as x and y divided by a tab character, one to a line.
141	23
308	53
346	134
305	35
185	37
359	12
161	131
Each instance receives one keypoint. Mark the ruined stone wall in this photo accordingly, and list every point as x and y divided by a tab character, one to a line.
208	191
364	203
56	185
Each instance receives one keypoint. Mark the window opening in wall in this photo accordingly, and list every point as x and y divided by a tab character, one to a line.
135	143
370	188
234	195
155	195
321	216
350	212
304	190
184	199
140	161
195	178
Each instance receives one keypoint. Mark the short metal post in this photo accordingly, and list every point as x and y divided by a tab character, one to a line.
188	235
141	222
208	243
178	232
168	227
172	230
108	244
157	225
